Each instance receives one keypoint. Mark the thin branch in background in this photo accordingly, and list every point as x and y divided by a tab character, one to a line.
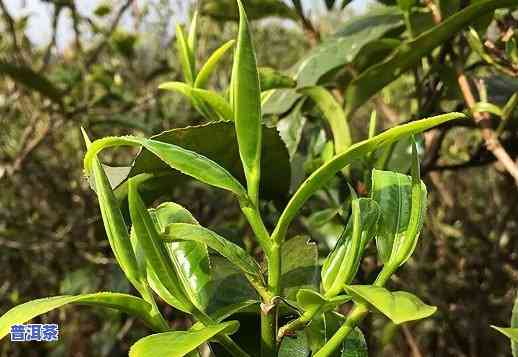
483	120
52	43
97	50
75	24
411	342
312	34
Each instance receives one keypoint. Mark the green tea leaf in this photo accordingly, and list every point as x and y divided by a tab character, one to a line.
185	161
294	346
310	300
299	266
246	94
208	68
402	200
409	53
190	259
334	115
399	306
342	264
186	56
200	97
355	152
392	191
129	304
511	333
179	343
192	38
113	221
334	53
269	79
153	249
234	253
217	141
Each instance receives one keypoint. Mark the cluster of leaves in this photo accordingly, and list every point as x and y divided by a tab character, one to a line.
295	107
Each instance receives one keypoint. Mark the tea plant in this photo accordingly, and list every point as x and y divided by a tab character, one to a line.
164	251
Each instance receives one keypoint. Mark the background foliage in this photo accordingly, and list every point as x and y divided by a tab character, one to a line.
106	79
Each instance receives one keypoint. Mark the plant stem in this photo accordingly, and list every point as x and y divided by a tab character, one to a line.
222	339
268	333
355	316
273	254
253	216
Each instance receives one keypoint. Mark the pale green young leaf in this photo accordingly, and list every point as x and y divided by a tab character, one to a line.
234	253
404	247
179	343
341	265
314	302
392	191
126	303
192	38
185	161
511	333
208	68
114	225
398	306
355	152
206	102
481	107
334	115
186	56
153	249
246	94
270	79
190	259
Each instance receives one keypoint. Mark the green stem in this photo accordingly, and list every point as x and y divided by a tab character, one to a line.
355	316
253	216
268	333
222	339
273	255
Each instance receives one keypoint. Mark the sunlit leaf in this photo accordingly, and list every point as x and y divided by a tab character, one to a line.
179	343
399	306
129	304
246	94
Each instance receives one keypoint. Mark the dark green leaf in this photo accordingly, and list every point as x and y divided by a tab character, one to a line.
294	346
217	141
299	266
186	161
